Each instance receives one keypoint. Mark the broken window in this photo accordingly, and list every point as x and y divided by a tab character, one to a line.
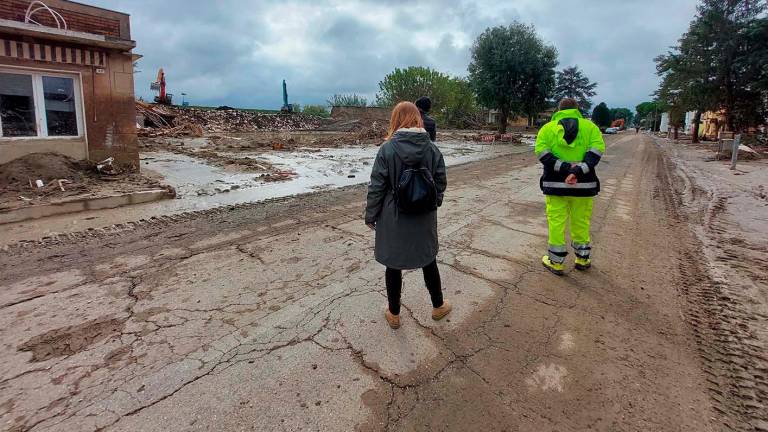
37	105
60	111
17	105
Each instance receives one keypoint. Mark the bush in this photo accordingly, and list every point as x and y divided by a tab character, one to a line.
316	110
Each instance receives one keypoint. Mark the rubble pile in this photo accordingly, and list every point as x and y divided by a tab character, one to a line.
375	130
490	138
744	153
171	121
40	177
231	120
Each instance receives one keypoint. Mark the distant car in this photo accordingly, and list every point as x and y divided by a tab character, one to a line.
611	130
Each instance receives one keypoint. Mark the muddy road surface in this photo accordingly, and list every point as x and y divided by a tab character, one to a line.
270	317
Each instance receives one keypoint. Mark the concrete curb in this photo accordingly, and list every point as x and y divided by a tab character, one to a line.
82	204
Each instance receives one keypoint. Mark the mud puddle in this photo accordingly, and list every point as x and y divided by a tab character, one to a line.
315	169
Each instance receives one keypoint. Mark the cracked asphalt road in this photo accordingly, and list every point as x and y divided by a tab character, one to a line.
270	317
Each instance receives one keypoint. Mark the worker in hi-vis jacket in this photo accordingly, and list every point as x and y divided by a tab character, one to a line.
569	147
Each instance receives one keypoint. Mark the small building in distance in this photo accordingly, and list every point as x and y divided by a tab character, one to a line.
66	81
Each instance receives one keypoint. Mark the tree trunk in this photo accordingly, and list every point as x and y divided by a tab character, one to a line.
503	117
675	133
695	129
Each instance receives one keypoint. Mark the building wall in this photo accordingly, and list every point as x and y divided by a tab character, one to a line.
109	112
79	17
106	80
75	148
664	124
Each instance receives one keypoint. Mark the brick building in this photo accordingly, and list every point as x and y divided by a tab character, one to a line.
66	86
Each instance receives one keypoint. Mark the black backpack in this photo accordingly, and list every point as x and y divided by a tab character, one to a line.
416	192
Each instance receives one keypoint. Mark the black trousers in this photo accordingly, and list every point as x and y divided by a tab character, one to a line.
394	281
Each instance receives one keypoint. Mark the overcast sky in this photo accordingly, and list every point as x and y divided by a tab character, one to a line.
237	52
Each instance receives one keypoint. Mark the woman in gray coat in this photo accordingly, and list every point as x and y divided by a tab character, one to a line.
406	241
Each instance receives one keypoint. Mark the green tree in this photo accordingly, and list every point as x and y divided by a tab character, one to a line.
687	78
718	62
453	101
460	109
601	115
347	99
622	113
648	115
316	110
537	92
510	70
412	83
751	108
676	118
572	83
724	28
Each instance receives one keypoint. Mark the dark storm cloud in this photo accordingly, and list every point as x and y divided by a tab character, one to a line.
237	52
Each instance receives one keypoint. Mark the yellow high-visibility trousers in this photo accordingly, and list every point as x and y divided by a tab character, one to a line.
579	211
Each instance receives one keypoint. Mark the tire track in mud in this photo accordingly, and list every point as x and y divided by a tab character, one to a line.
159	222
735	359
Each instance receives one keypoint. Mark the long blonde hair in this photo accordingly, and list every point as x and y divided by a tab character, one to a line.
404	115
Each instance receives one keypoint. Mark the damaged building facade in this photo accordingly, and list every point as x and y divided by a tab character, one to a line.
66	81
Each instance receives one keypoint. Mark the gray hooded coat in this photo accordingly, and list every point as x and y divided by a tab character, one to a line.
404	241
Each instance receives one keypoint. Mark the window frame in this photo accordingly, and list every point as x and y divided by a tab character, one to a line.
38	97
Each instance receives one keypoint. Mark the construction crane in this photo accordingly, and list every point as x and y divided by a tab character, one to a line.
159	86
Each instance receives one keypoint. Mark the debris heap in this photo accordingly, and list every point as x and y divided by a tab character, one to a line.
175	121
39	177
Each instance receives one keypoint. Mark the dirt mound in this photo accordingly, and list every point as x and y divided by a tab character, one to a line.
62	177
42	166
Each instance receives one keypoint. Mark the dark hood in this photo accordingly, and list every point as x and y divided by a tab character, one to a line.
411	144
570	129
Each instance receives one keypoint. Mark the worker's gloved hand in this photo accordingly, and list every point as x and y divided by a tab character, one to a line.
571	179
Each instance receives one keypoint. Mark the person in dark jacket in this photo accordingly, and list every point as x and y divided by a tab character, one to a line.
406	241
425	104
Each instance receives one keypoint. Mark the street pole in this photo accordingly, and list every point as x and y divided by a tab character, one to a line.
735	151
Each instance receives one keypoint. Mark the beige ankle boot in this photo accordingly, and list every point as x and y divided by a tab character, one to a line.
393	320
442	311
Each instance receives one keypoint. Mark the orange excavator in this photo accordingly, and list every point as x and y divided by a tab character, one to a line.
618	123
159	86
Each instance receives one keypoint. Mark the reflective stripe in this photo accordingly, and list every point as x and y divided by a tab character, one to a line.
556	258
596	151
563	185
546	152
555	248
558	164
584	167
582	250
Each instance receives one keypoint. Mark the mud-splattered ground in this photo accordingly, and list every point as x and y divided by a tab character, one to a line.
726	279
269	317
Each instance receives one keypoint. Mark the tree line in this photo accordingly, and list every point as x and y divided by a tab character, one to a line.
512	70
719	64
